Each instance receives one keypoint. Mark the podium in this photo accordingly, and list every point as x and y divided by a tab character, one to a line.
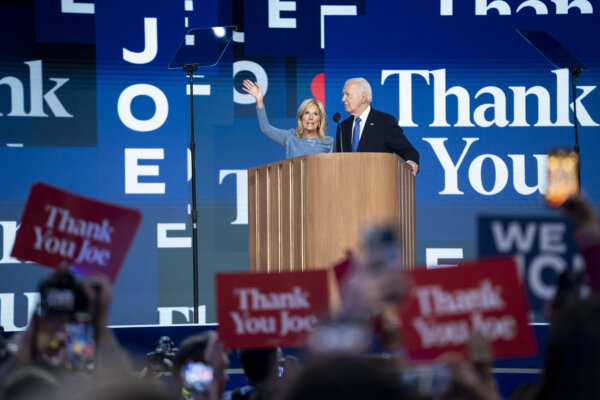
308	211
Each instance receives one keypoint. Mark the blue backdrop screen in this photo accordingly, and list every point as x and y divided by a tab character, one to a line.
87	104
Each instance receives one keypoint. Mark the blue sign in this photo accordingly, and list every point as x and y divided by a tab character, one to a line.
544	248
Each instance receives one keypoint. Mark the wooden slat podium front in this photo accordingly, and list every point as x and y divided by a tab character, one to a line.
306	212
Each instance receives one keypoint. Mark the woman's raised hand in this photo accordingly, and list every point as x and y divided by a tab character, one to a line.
254	89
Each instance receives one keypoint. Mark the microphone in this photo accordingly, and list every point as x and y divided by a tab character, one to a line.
336	119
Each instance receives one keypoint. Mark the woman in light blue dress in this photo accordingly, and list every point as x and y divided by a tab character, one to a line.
308	137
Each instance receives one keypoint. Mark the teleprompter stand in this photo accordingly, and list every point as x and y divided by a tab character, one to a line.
560	57
200	48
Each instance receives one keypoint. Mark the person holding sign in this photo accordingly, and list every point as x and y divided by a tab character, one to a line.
580	211
68	335
309	135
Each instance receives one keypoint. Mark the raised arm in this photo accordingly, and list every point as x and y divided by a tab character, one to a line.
255	91
277	135
581	212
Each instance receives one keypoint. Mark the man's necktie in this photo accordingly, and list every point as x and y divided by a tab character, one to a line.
356	134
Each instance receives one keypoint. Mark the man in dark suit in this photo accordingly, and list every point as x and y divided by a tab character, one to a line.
369	130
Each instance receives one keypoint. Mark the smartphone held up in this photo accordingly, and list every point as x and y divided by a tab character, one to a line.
197	377
563	176
81	346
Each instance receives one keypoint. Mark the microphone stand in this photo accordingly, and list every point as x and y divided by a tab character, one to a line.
190	69
204	50
338	132
560	57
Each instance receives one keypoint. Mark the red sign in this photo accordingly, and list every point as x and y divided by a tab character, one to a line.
90	235
446	305
269	310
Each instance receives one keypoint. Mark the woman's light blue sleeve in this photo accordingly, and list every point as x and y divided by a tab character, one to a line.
277	135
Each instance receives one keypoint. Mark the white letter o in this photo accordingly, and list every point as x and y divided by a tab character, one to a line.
261	78
160	102
475	172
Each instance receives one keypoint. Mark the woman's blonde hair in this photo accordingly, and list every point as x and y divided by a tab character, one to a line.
322	126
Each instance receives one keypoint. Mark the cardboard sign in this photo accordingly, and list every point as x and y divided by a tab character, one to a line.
90	235
269	310
446	305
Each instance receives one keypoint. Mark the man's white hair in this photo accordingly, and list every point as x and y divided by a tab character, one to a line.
363	87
